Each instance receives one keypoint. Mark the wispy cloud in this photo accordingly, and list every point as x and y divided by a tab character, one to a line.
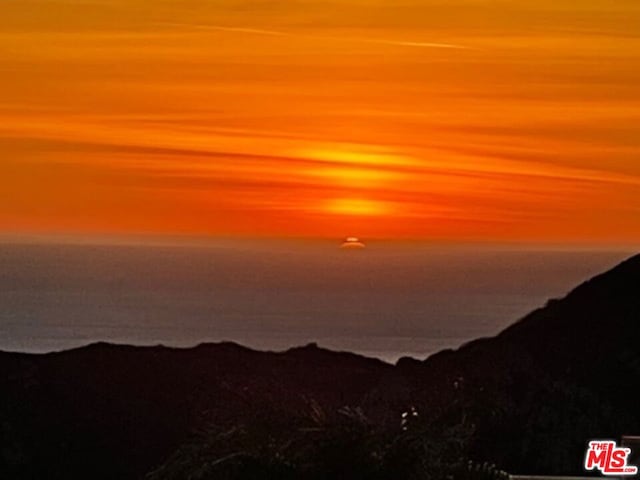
251	31
401	43
381	41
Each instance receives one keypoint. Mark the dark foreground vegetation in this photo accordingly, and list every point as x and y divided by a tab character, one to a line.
525	401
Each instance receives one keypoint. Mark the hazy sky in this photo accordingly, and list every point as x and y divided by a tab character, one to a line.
458	119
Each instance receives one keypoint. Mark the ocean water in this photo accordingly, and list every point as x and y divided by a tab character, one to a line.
388	300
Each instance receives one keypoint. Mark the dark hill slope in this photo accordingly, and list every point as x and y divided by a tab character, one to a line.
539	390
110	411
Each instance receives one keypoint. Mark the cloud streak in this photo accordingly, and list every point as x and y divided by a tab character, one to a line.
219	28
267	32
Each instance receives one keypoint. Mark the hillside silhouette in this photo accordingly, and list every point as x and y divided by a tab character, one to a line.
524	401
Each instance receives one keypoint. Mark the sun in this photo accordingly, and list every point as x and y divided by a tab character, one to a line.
352	243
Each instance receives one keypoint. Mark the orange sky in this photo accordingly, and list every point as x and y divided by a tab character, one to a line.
503	120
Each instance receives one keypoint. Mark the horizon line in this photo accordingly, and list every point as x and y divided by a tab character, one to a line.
152	239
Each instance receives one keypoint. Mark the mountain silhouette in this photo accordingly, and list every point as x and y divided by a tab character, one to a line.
543	387
526	400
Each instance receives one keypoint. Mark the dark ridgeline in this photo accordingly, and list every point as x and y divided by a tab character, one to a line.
526	400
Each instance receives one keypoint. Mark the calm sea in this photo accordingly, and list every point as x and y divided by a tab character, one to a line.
385	301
